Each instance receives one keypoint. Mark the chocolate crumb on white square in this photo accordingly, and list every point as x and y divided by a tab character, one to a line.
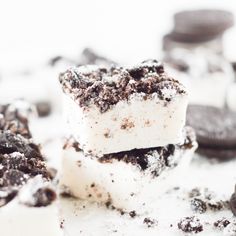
106	107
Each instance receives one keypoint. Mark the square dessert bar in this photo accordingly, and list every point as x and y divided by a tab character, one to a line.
28	200
120	109
124	180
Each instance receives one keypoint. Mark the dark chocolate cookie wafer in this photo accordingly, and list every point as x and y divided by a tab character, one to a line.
221	154
201	25
186	38
233	202
215	129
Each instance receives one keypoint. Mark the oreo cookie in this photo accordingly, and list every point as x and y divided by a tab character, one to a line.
233	202
203	28
201	25
221	154
215	129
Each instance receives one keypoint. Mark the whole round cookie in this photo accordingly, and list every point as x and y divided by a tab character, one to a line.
233	202
215	127
220	154
203	23
188	38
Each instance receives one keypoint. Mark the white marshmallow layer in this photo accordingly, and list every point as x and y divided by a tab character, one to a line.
122	184
128	125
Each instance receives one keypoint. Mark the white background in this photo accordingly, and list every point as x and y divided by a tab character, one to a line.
126	30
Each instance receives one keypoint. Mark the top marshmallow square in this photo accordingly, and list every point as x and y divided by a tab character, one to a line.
120	109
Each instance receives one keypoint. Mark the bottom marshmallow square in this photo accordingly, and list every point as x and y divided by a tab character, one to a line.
125	180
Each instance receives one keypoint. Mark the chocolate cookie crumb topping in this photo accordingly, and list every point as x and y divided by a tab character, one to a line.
153	160
105	87
144	158
150	160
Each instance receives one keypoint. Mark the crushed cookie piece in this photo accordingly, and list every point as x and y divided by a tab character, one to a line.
132	214
221	224
230	229
62	224
150	222
105	87
198	205
190	225
107	134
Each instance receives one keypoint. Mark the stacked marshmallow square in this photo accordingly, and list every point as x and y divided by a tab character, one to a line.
126	133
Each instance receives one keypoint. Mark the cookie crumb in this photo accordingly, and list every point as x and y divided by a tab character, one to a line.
107	134
198	205
79	163
221	223
122	212
150	222
132	214
218	205
203	200
190	225
127	124
230	229
62	224
195	192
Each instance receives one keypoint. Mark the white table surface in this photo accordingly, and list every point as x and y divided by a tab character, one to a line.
83	218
